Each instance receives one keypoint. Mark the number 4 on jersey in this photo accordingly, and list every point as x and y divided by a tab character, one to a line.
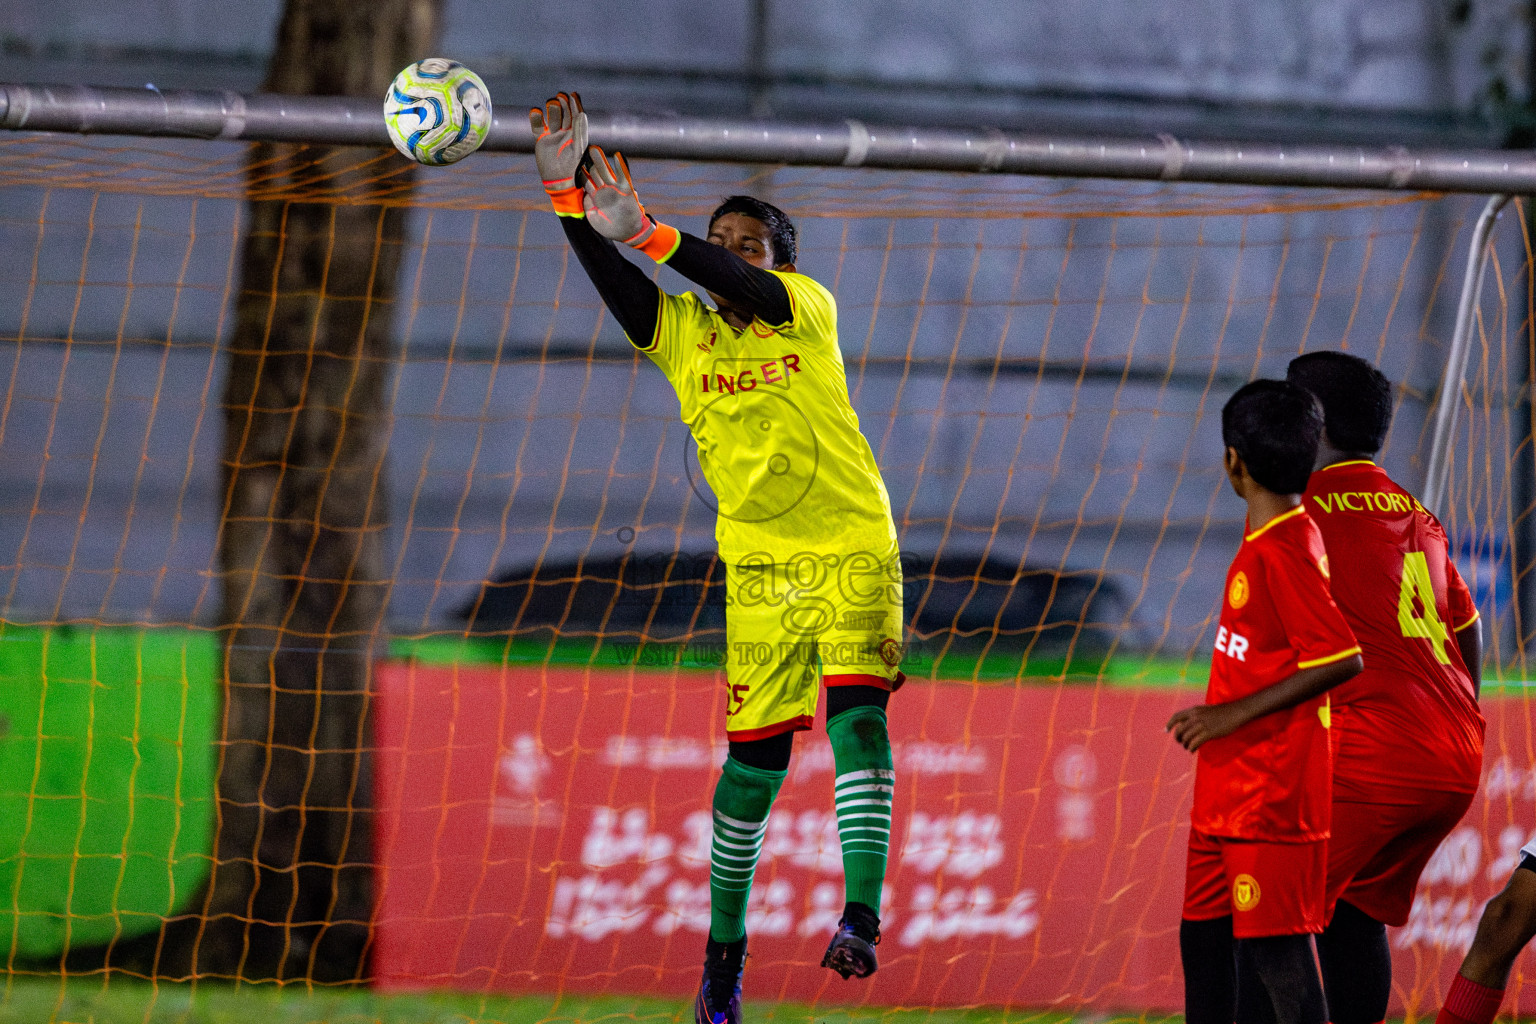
1416	613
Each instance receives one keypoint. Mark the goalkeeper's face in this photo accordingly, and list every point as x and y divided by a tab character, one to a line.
747	237
750	239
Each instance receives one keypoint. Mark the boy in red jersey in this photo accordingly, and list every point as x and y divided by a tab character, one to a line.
1259	827
1408	735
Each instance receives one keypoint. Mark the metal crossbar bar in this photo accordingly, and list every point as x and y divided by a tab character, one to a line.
358	122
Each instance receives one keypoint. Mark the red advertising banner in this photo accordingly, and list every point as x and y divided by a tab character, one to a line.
548	829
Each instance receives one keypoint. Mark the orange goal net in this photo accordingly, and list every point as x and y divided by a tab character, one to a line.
362	623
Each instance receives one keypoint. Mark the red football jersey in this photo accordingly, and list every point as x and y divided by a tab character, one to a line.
1272	778
1411	718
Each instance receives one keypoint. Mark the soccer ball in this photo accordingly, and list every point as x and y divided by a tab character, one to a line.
437	111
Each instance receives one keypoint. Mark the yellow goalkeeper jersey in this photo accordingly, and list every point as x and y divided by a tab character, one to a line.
778	441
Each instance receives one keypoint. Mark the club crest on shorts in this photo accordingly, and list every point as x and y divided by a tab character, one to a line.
890	652
1245	892
1237	594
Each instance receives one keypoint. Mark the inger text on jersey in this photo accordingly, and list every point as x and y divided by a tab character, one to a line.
748	379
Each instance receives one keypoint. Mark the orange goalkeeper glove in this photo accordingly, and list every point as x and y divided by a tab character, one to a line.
561	130
614	210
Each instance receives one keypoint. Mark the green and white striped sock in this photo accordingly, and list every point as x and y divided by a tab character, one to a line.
743	797
863	792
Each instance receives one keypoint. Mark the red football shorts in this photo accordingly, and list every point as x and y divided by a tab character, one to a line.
1379	849
1268	888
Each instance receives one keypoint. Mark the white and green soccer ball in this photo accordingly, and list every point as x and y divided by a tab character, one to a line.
437	111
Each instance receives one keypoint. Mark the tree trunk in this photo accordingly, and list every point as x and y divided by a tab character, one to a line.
301	547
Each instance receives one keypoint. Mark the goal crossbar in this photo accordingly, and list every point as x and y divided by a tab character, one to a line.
334	120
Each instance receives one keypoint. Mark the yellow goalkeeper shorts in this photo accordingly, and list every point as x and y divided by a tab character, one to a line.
791	625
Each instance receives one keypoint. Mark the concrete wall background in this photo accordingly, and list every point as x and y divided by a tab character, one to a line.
1095	451
1383	70
1416	54
1101	459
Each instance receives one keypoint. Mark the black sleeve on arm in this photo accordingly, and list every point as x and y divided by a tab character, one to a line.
721	271
632	298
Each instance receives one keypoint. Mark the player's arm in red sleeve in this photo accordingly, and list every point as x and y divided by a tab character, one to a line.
1192	727
1327	655
1465	623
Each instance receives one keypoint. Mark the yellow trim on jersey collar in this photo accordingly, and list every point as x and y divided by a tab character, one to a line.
1348	462
1298	510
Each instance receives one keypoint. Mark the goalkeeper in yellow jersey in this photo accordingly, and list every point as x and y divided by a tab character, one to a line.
813	581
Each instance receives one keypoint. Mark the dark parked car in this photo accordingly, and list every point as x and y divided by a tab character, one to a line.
955	604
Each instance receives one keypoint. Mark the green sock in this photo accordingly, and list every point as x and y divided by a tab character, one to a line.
863	791
742	799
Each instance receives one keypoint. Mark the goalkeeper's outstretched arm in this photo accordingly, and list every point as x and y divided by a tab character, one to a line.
743	291
635	301
604	208
632	298
560	145
722	273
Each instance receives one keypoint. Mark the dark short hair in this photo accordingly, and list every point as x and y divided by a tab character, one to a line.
1275	426
781	230
1356	398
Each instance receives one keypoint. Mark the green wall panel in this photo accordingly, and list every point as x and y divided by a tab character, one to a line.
107	764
